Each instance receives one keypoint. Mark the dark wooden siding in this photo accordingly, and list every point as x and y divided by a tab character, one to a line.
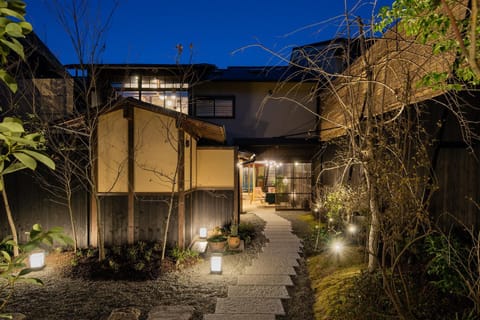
458	176
210	208
203	209
31	204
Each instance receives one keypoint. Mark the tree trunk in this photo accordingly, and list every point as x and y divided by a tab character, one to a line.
72	221
374	227
100	235
11	223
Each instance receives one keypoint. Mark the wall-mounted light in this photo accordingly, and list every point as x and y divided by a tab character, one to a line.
203	232
36	259
216	263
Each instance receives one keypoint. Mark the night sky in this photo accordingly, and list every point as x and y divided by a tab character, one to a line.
148	31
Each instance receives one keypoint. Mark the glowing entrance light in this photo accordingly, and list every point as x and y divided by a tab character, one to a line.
216	263
37	259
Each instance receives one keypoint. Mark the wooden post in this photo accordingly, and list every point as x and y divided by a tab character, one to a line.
236	189
181	188
93	241
131	177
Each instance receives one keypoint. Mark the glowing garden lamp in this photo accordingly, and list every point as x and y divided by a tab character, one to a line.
36	259
203	232
216	263
352	229
337	247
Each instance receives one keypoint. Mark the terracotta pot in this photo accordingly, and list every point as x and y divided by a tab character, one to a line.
217	246
233	242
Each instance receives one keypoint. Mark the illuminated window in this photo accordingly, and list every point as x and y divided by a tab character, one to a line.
215	107
160	91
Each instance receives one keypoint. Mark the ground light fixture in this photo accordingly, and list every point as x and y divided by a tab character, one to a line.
352	229
36	259
337	247
216	263
203	233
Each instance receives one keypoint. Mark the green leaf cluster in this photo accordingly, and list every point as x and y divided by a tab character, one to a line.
13	269
20	150
429	24
12	27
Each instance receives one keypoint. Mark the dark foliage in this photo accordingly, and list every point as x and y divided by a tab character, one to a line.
138	262
367	299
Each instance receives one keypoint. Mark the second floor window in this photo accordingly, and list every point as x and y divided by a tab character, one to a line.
160	91
215	107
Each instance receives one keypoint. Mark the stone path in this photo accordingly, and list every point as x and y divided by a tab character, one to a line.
260	289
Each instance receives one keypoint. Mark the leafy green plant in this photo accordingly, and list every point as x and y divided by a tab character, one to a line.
139	261
442	264
217	238
234	230
246	231
13	269
20	150
184	257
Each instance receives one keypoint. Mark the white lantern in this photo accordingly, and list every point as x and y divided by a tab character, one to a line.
37	259
216	263
203	233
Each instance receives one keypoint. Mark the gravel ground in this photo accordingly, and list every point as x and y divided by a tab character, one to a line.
64	298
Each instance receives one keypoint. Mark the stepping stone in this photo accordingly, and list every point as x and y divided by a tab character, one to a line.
282	250
248	305
270	270
171	313
279	292
266	280
262	263
127	313
240	316
273	259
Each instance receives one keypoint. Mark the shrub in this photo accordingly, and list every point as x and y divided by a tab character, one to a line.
140	261
184	257
246	231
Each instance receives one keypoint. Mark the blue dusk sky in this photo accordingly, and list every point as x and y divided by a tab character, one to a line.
224	33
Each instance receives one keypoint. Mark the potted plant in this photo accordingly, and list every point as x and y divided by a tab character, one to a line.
233	238
217	242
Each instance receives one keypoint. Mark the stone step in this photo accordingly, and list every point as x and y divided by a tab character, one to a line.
266	280
281	237
285	254
239	316
282	250
175	312
275	259
284	243
262	263
250	305
279	292
270	270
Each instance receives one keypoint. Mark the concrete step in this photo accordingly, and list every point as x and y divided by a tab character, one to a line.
279	292
265	280
250	305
